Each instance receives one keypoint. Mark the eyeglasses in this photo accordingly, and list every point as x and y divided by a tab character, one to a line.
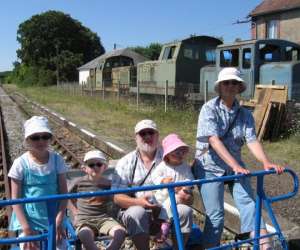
97	164
232	82
40	137
147	132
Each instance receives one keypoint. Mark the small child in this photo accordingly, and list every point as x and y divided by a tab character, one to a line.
173	168
38	172
92	216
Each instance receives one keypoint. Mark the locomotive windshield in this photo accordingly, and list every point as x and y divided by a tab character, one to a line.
229	58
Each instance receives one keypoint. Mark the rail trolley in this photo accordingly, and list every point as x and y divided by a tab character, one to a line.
47	239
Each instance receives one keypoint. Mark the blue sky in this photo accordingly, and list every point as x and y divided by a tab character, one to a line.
131	22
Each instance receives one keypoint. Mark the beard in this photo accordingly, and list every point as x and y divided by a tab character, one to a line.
145	147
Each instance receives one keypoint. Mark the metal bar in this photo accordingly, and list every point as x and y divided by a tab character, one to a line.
176	219
141	188
275	224
52	210
53	205
258	206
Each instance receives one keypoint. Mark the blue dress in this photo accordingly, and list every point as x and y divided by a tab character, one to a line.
34	185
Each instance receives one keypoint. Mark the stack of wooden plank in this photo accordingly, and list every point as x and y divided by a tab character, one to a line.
269	108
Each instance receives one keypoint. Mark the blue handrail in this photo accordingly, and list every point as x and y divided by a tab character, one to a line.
52	200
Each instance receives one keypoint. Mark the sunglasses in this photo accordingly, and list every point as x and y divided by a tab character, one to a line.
97	164
40	137
227	83
146	132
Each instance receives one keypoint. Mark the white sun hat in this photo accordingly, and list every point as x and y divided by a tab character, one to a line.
144	124
95	154
230	73
36	124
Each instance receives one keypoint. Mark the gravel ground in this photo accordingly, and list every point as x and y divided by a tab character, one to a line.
13	121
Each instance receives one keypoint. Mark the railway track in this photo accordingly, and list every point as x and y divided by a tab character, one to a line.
4	184
72	142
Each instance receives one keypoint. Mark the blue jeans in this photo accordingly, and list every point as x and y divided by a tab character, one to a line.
213	200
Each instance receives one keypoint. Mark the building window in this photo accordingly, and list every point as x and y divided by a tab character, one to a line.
272	29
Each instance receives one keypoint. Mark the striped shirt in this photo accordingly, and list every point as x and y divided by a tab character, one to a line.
124	177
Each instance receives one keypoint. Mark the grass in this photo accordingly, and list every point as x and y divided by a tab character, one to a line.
116	120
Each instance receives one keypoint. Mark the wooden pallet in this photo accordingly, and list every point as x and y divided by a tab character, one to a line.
269	106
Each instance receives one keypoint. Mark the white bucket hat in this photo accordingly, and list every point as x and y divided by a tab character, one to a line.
230	73
36	124
144	124
95	154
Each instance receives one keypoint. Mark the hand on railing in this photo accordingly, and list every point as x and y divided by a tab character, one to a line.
269	165
240	170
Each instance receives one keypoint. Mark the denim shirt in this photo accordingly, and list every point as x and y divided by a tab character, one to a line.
214	120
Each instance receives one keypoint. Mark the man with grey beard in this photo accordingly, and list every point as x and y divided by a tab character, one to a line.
135	169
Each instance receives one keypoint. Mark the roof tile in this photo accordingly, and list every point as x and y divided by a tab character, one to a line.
268	6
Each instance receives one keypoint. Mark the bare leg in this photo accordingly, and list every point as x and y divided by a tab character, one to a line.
141	241
118	233
185	239
86	236
264	243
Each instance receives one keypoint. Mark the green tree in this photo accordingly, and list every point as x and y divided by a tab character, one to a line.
152	51
55	42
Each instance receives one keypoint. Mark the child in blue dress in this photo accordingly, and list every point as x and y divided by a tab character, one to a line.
38	172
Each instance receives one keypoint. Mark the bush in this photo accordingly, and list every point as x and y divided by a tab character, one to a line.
28	76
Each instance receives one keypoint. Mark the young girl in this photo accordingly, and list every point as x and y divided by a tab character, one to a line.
92	215
173	168
38	172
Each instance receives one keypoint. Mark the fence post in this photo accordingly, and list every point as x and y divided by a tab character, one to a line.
166	95
103	90
137	94
206	91
119	85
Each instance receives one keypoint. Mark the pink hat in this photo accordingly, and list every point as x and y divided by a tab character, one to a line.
171	142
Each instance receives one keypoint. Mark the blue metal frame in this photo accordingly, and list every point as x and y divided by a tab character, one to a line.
52	200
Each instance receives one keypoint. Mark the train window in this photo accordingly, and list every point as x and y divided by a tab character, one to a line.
210	55
247	58
188	53
229	58
169	52
269	52
191	52
291	53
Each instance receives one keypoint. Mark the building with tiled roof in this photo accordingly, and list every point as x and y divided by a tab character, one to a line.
276	19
